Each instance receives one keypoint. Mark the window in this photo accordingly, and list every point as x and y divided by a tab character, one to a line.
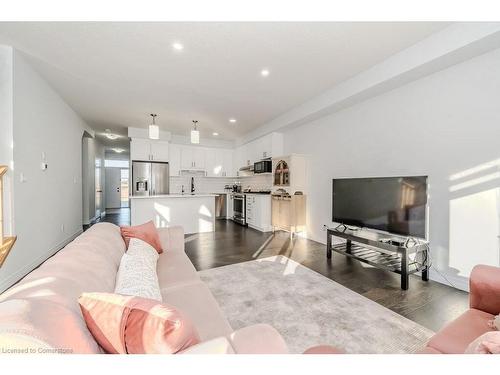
116	163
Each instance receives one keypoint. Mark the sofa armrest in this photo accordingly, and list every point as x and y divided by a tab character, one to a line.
220	345
324	349
255	339
258	339
484	286
172	239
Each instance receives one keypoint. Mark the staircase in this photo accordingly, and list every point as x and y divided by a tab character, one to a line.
6	243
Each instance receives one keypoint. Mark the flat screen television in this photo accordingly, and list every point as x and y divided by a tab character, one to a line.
390	204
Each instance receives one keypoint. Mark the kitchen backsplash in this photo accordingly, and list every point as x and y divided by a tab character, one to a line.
216	184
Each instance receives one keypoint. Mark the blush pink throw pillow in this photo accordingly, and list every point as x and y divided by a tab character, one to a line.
127	324
487	343
146	232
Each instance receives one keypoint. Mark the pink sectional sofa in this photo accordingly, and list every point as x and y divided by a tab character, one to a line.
484	303
41	312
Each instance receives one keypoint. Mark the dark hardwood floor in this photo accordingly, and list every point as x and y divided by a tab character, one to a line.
118	216
430	304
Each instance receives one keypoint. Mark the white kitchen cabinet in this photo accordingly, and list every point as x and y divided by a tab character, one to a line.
149	150
159	151
250	207
175	159
140	149
219	162
192	157
268	146
213	162
187	157
199	157
228	163
258	214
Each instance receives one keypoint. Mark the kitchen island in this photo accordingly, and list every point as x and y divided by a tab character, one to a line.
194	212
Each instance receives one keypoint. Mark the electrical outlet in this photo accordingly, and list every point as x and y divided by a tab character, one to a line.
62	228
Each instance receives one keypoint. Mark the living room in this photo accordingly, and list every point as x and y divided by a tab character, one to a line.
229	187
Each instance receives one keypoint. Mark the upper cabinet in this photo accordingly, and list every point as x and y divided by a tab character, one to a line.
219	162
175	159
140	149
149	150
265	147
192	157
160	151
216	162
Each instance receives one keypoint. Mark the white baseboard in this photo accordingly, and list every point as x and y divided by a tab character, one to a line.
16	276
454	281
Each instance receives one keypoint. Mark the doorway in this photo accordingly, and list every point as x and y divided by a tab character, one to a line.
117	174
98	188
124	187
113	188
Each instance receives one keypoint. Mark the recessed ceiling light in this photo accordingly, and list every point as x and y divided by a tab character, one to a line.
264	72
215	133
118	150
177	46
232	120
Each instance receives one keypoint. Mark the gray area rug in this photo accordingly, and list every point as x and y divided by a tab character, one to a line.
309	309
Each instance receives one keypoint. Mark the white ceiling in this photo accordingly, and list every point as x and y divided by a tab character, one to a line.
115	74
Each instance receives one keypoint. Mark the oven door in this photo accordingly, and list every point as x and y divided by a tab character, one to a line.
239	209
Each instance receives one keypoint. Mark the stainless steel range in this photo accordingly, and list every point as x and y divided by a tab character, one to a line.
239	206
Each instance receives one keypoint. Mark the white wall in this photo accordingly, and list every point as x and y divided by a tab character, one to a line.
6	132
439	126
48	204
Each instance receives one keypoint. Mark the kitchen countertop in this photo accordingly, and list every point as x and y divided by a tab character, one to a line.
172	196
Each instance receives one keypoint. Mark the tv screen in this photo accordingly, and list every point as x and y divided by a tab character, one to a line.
391	204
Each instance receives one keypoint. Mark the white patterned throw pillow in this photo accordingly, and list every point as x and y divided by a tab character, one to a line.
137	272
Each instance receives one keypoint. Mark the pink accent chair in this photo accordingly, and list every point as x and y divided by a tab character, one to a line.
484	303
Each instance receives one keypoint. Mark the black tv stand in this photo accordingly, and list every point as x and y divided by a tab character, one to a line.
380	251
343	228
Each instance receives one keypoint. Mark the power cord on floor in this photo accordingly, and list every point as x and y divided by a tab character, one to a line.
423	258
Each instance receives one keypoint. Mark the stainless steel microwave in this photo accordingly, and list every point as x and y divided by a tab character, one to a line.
263	166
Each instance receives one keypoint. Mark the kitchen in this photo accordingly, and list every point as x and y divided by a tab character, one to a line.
207	183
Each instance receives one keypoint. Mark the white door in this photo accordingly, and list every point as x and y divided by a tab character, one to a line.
159	151
98	188
140	149
113	187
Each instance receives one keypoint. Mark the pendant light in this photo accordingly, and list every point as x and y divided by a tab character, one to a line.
195	134
154	130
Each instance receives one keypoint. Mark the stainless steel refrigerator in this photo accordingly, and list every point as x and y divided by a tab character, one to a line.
150	178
